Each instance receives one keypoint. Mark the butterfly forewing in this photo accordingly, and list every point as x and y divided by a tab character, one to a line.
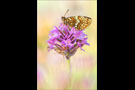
71	21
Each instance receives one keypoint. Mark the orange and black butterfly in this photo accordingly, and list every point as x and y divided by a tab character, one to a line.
79	22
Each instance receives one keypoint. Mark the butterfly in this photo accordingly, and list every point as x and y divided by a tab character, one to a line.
79	22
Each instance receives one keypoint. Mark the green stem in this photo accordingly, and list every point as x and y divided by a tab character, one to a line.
69	68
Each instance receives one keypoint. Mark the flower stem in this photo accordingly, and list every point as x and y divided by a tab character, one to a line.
69	68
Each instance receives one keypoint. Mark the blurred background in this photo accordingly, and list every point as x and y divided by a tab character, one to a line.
52	68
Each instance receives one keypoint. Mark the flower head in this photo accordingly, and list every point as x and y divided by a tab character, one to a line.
66	40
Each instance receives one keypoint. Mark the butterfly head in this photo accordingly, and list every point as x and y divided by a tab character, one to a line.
63	20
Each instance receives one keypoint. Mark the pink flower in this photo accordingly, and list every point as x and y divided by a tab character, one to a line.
66	40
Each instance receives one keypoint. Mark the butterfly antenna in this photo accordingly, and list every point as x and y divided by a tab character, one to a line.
66	12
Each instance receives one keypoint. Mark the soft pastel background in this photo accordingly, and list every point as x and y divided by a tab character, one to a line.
52	70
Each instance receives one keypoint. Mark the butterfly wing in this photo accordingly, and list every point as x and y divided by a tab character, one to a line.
84	22
71	21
